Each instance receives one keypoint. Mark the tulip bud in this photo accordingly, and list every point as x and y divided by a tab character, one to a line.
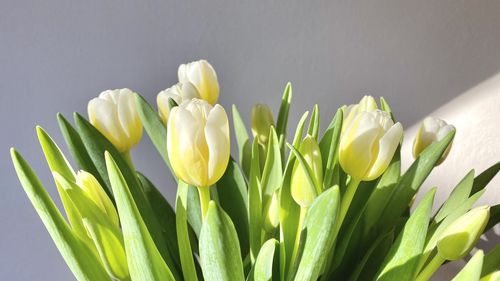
203	77
262	120
368	144
367	103
114	114
93	189
198	142
303	192
273	213
460	236
179	93
431	130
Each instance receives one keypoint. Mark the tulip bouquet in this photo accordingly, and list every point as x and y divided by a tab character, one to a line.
319	206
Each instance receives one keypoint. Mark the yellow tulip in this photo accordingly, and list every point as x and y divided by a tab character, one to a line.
115	115
198	142
367	103
262	120
303	191
460	236
431	130
94	191
203	77
368	143
179	92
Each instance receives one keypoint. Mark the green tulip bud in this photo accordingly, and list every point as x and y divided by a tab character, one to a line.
459	237
262	120
273	213
303	192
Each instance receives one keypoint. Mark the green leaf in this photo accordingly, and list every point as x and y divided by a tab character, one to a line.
329	146
272	173
412	179
163	212
154	127
79	258
282	122
401	262
79	152
242	140
265	265
386	107
145	261
319	233
491	261
369	265
186	255
481	181
309	173
298	137
313	129
494	217
219	247
232	193
472	270
255	203
459	194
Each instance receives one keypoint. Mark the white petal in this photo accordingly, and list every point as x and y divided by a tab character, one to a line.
387	146
181	73
103	115
129	119
443	132
217	137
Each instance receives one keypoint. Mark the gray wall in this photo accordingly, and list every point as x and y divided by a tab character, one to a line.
56	55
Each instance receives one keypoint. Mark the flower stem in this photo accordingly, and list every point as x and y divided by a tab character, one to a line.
126	156
431	267
347	199
204	192
303	211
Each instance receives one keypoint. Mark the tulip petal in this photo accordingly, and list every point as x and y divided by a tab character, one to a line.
162	102
103	115
217	138
387	146
128	117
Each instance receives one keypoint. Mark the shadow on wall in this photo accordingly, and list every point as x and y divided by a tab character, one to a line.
475	114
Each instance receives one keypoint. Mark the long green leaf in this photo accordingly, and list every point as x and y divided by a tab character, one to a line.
494	217
491	261
368	266
273	171
298	136
80	259
265	265
219	247
282	122
459	194
154	127
232	193
481	181
181	222
412	180
255	203
401	262
329	146
242	140
472	270
144	259
313	129
319	233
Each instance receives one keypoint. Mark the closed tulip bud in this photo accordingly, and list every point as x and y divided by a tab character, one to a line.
460	236
262	120
93	189
198	142
203	77
303	191
179	92
431	130
115	115
368	143
273	213
367	103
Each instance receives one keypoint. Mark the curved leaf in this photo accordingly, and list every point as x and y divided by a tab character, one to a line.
266	261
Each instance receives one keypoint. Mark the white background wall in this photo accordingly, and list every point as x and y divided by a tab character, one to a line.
56	55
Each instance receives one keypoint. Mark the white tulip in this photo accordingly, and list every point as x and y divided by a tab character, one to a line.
203	77
368	143
431	130
198	142
367	103
179	92
115	115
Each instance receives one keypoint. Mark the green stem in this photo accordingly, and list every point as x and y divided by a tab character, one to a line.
204	192
347	199
431	267
126	156
302	216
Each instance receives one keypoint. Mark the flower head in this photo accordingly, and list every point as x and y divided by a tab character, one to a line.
202	75
179	92
431	130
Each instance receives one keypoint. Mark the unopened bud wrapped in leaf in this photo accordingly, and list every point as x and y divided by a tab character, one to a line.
303	191
262	120
114	114
459	237
179	92
198	142
202	75
367	103
368	143
89	184
431	130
